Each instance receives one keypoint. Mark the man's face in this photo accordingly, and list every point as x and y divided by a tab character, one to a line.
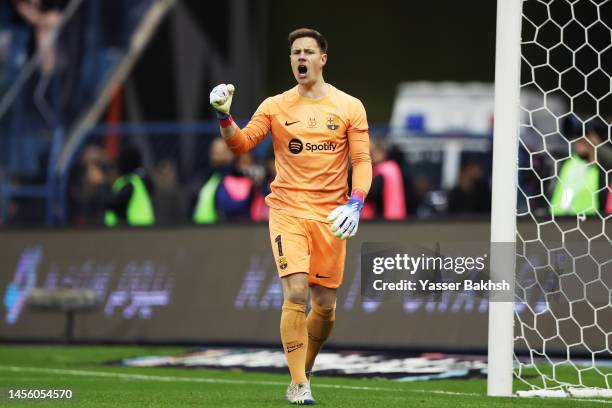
307	61
220	154
584	149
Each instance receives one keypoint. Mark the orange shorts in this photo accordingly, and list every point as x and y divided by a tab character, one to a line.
301	245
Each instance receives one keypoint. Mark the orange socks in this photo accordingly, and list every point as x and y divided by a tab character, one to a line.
319	322
294	336
303	337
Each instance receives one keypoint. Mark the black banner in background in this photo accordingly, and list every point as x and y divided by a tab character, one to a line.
217	284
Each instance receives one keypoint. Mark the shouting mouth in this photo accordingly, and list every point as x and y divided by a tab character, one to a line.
302	71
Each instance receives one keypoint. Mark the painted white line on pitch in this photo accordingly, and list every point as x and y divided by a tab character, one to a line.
164	378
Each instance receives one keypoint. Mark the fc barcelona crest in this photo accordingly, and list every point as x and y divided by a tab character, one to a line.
282	262
332	122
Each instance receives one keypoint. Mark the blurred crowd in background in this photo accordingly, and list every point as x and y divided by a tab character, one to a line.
191	177
233	188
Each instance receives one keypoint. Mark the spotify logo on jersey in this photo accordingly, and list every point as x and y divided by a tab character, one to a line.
295	146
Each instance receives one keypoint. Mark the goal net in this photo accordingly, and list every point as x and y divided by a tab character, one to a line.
563	308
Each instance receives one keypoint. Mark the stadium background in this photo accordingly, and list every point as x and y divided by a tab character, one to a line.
196	46
180	283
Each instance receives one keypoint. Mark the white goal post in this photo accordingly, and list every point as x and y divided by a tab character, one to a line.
503	201
552	198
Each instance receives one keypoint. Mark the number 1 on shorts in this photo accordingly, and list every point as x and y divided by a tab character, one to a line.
280	245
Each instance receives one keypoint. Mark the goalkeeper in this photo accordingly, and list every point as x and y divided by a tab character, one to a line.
314	128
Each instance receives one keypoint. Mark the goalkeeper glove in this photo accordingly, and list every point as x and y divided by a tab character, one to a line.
221	99
347	216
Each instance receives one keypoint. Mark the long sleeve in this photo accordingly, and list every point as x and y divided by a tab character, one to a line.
359	146
253	133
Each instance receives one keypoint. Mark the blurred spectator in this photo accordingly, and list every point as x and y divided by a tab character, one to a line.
421	187
386	198
42	97
229	192
259	209
169	198
598	135
578	180
529	194
472	194
44	16
221	159
131	193
95	186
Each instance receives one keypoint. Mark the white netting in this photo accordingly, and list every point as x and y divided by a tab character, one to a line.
563	325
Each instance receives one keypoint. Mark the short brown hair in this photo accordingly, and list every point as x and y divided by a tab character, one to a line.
308	32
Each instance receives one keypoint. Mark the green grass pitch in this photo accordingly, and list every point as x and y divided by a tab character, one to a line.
80	369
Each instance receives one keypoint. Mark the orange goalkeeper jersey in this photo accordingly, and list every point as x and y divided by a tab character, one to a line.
312	140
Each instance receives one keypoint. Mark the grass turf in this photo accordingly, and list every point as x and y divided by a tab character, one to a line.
80	369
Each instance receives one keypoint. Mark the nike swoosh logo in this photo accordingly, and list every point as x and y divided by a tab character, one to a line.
291	123
321	276
293	348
